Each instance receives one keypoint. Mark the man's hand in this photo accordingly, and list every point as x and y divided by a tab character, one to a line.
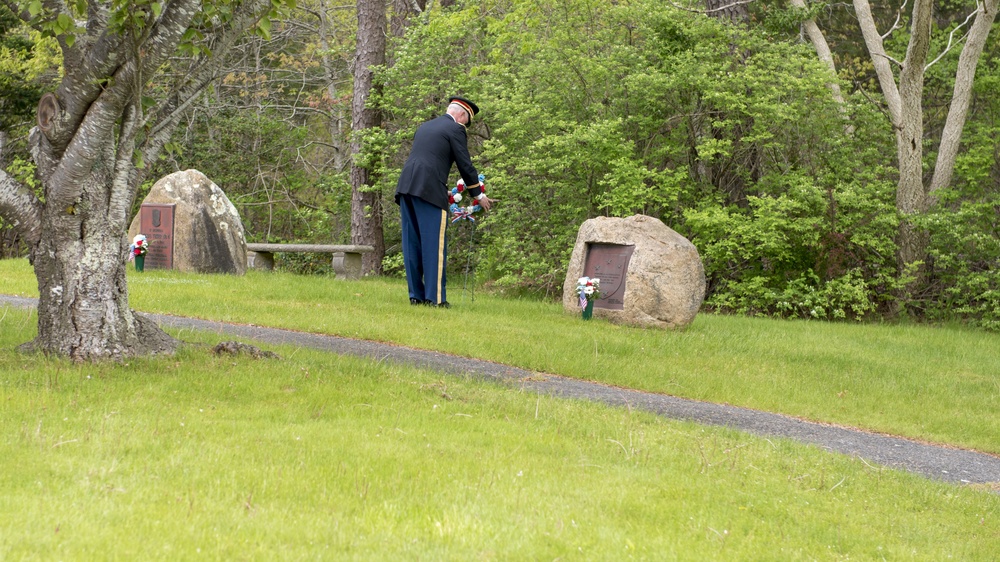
484	202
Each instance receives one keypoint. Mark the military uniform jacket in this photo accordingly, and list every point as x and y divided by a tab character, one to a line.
437	145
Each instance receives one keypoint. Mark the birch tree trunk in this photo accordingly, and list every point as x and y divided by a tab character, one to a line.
905	107
904	103
366	200
819	43
961	96
910	196
83	305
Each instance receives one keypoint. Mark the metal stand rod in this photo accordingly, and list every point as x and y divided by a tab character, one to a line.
468	261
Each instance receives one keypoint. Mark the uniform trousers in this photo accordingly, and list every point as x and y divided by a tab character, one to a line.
425	248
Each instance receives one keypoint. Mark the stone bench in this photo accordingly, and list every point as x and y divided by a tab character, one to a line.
346	257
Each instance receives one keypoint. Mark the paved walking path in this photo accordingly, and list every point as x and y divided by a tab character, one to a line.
934	461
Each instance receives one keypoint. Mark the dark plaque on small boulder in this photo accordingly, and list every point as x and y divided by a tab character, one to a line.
156	221
609	263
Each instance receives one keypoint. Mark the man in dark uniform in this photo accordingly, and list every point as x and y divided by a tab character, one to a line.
422	195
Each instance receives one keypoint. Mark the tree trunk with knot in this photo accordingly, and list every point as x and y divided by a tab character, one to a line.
83	305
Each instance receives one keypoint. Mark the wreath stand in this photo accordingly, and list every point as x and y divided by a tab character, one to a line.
458	214
468	264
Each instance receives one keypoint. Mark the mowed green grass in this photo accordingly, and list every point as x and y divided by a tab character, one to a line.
321	457
939	384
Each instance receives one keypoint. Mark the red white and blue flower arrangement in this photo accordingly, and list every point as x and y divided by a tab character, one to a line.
139	246
455	197
589	290
137	251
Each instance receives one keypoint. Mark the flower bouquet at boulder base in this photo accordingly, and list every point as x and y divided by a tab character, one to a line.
137	251
589	290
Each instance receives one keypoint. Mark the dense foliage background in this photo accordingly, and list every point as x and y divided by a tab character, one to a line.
725	131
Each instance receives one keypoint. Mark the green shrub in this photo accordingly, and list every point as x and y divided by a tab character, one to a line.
964	264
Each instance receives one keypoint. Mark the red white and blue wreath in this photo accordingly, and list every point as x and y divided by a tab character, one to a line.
455	197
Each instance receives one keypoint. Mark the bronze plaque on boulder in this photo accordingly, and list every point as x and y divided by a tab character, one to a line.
156	221
609	263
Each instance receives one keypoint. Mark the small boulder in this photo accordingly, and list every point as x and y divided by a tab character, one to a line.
663	285
208	233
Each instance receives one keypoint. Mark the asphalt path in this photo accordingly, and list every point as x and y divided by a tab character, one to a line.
933	461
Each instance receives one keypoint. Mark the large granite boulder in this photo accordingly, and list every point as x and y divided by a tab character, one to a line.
663	284
208	234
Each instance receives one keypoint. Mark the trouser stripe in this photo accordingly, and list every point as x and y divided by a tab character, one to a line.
440	271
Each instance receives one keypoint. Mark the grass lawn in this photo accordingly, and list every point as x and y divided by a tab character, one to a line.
321	457
939	384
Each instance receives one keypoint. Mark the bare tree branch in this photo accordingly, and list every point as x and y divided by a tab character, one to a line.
951	36
162	119
896	24
166	33
889	58
712	11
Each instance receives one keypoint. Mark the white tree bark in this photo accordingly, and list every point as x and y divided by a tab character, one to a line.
825	56
20	206
880	59
910	126
905	105
906	113
962	94
818	40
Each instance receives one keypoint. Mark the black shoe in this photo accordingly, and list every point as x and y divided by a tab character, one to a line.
416	301
443	305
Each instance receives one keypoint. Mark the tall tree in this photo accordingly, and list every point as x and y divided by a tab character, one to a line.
122	93
366	197
903	94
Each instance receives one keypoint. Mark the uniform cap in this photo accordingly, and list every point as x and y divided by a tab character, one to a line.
470	108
